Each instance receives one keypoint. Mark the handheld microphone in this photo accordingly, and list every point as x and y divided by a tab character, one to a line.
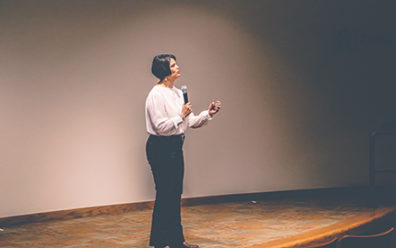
184	90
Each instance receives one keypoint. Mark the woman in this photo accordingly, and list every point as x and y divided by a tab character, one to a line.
167	118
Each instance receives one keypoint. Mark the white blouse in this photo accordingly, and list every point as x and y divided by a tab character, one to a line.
163	112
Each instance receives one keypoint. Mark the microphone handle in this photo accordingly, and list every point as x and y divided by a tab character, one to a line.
185	98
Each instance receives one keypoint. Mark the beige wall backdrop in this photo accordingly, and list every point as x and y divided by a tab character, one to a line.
295	78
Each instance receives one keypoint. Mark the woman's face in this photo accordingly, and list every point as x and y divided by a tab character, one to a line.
175	73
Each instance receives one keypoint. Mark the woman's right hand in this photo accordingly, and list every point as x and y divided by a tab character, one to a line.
186	109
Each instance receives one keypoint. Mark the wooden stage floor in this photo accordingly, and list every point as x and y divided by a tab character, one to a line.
263	223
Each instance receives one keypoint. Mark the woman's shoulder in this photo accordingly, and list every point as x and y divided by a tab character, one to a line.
155	90
159	90
154	93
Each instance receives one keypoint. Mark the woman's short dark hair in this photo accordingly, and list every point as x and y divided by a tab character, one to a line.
160	66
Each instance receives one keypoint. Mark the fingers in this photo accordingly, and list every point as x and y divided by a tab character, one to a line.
186	109
218	104
189	107
214	107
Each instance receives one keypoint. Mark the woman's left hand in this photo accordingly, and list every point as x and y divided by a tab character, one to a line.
214	107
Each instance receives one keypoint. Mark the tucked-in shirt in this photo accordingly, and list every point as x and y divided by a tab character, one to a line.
163	113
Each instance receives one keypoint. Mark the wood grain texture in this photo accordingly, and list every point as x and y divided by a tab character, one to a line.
359	193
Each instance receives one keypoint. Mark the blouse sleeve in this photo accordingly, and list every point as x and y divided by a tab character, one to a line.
155	107
199	120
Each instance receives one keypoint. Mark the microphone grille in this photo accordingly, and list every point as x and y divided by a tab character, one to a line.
184	88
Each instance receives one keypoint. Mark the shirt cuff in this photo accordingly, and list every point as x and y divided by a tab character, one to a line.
207	115
177	120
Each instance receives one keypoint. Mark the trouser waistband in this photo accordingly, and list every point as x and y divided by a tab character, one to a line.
167	138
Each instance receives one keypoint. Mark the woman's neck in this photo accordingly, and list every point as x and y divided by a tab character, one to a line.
167	83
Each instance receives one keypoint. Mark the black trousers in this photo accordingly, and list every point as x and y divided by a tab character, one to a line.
165	156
